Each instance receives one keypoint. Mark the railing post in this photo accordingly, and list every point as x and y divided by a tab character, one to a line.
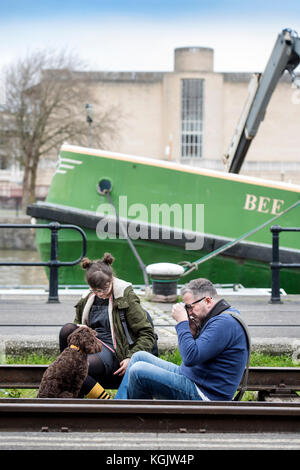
53	277
275	265
53	264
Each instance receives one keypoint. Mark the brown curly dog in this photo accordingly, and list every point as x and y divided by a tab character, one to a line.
65	376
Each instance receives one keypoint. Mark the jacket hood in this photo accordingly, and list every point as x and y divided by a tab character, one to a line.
119	287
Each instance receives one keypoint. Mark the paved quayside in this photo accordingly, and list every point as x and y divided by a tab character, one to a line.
274	328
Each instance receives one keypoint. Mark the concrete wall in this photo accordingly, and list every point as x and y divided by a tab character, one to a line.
148	120
138	109
17	238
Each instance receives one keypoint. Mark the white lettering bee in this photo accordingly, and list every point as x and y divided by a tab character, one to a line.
263	204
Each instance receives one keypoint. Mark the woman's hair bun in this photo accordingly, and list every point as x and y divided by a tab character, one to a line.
108	258
86	263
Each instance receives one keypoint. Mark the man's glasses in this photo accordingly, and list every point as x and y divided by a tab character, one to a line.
189	307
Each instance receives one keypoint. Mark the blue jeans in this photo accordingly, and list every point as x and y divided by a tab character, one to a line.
149	377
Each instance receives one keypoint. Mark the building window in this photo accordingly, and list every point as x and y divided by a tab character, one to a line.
191	118
3	162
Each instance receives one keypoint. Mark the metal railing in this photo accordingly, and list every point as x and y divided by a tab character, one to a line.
54	264
276	265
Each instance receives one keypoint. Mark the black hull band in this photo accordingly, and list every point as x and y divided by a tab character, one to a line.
242	250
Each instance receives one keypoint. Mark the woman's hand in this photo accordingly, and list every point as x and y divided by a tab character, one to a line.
124	365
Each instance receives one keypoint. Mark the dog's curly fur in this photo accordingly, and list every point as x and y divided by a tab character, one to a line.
65	376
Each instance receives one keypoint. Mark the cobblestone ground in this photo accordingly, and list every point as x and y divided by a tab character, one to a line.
163	323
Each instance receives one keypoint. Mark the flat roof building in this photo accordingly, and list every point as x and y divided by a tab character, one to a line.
189	115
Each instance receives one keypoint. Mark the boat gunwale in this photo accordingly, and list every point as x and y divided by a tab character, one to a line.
180	167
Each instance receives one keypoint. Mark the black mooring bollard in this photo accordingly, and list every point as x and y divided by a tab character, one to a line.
164	277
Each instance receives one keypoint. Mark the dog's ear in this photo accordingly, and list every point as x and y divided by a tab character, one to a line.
76	336
92	344
85	339
71	339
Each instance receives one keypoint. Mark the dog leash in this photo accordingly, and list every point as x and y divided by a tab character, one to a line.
106	345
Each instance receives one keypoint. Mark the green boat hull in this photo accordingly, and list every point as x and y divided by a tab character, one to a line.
231	206
221	269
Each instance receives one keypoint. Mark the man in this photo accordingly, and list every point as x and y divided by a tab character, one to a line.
213	347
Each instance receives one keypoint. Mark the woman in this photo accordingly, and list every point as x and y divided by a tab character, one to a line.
100	310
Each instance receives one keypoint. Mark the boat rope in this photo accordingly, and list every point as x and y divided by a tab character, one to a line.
124	231
191	266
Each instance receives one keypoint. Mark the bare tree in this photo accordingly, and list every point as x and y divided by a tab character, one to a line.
46	95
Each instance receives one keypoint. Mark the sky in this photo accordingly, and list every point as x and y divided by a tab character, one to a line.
141	35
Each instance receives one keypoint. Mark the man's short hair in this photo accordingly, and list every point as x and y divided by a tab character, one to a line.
200	287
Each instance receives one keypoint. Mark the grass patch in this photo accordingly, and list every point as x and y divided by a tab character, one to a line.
267	360
30	359
18	393
172	357
257	359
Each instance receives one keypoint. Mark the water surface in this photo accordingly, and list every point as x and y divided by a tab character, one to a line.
21	275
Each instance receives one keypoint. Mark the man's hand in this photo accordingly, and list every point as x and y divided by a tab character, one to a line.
124	365
179	313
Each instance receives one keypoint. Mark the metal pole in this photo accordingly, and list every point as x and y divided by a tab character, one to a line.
53	281
91	135
89	120
275	265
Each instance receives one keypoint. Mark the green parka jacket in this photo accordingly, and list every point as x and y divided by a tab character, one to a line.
139	327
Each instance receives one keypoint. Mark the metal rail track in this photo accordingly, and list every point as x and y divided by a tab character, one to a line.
147	416
78	415
282	380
